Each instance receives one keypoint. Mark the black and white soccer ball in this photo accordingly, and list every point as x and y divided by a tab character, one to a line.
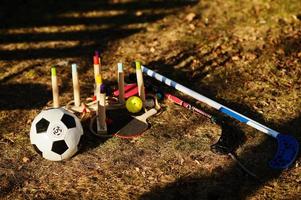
56	134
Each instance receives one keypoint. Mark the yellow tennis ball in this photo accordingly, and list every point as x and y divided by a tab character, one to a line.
133	104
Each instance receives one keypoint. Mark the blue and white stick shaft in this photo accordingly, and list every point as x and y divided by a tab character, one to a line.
210	102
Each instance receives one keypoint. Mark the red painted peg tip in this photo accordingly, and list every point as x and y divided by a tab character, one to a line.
96	60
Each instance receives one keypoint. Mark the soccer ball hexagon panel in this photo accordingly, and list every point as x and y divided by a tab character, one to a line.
55	133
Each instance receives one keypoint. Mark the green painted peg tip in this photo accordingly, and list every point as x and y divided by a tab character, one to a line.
53	71
138	65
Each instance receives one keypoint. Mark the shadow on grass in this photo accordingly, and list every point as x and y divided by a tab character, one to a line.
50	12
23	96
21	20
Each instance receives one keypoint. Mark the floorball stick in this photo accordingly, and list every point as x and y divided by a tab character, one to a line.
288	146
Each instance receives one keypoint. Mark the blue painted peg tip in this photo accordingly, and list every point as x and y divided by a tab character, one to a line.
120	67
74	68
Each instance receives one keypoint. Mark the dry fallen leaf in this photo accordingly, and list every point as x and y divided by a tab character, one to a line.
190	17
235	58
25	159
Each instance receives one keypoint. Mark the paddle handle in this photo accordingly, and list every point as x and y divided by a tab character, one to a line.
148	114
210	102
